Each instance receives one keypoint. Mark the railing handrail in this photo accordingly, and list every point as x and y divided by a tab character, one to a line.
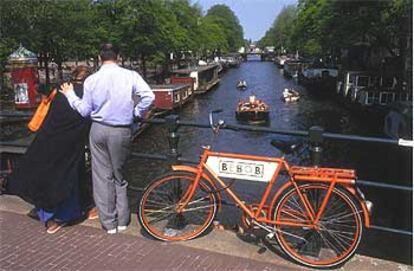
327	135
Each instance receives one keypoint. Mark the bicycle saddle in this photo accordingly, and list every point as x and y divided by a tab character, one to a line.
286	147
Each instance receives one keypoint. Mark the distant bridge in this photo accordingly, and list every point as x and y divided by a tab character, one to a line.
264	55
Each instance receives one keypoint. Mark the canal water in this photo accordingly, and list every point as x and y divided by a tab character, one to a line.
373	162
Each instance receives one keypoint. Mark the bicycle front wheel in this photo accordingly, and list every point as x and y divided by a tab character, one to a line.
338	233
158	208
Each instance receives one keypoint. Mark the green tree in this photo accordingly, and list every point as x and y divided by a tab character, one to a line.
224	17
148	28
279	34
212	36
56	30
188	18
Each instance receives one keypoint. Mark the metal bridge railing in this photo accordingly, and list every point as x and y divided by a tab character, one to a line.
315	134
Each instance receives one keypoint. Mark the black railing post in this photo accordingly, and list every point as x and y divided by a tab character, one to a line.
316	140
172	124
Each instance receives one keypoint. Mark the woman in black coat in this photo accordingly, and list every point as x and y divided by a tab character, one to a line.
53	168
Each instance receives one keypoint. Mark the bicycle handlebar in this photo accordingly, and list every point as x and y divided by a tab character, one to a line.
232	127
215	127
286	147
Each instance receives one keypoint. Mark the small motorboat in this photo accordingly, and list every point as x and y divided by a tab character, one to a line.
252	111
290	95
242	84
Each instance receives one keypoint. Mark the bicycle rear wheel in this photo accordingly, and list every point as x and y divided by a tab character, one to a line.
339	232
158	214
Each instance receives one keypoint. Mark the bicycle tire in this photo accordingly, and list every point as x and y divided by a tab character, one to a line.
174	226
340	230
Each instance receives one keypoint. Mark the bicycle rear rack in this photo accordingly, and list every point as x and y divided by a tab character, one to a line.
329	173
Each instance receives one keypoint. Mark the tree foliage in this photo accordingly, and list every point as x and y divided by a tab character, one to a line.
224	17
325	27
144	29
279	34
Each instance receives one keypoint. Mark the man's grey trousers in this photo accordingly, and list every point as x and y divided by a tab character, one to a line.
109	150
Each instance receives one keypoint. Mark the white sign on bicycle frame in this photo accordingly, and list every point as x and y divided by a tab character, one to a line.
242	169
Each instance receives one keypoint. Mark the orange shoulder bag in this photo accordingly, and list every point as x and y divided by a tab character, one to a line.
41	112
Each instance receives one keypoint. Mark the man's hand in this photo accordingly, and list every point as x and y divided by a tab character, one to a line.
144	117
66	87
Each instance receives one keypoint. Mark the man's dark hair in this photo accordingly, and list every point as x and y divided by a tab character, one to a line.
108	52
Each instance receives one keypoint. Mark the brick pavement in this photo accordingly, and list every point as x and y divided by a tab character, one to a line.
25	245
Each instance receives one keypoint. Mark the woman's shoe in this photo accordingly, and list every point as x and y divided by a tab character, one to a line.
93	213
53	227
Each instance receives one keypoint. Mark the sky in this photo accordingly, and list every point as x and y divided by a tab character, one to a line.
255	16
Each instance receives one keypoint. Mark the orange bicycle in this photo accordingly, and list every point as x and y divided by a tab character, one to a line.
316	217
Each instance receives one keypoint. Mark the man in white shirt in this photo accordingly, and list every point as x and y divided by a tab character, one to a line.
108	100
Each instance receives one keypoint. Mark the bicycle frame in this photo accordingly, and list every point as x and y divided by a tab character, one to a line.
330	176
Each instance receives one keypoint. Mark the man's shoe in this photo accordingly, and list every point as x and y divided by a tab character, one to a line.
111	231
122	228
53	227
93	213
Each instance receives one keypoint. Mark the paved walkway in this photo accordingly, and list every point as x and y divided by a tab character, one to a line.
25	245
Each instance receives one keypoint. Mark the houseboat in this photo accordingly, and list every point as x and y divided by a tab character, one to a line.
372	90
382	96
203	77
351	82
171	96
319	79
253	111
292	68
230	61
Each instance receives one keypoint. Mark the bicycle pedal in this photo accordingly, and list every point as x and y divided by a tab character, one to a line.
270	235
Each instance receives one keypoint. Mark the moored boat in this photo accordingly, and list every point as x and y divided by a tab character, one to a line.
292	68
253	111
171	96
319	79
280	61
204	77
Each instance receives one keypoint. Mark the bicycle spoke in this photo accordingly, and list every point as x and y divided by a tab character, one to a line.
161	217
330	245
340	217
294	213
337	233
159	208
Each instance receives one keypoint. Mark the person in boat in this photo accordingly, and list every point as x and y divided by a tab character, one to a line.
252	104
52	175
241	84
288	93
